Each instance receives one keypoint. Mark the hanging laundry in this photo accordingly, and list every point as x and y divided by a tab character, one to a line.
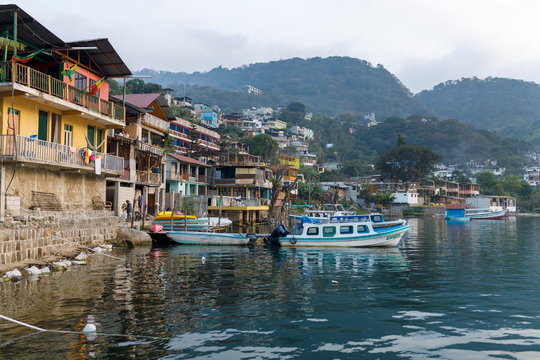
98	165
86	157
72	149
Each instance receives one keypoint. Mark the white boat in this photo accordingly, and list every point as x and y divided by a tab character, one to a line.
484	214
197	224
345	234
209	238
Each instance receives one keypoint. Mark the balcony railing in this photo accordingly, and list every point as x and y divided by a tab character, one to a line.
37	80
155	122
150	148
40	151
145	177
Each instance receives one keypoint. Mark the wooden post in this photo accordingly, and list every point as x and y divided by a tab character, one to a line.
172	210
219	212
133	206
49	83
185	221
143	204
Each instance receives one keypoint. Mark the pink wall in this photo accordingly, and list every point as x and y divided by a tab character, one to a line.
104	89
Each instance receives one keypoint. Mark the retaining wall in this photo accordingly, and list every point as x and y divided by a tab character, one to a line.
40	237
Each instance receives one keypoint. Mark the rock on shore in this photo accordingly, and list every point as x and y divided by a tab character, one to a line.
131	238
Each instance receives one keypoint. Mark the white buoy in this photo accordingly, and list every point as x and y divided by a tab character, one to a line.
203	259
335	282
90	326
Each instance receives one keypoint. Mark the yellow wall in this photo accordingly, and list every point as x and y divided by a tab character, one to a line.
29	115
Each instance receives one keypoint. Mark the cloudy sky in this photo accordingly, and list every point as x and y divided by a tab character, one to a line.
423	42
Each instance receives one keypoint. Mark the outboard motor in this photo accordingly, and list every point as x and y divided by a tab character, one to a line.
252	239
273	238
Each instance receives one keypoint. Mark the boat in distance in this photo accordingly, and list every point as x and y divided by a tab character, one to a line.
484	214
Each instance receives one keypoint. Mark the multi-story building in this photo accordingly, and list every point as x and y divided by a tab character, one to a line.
532	175
186	176
207	115
140	143
183	141
55	115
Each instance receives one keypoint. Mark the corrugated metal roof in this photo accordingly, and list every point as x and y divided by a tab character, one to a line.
145	100
105	57
187	160
141	100
29	30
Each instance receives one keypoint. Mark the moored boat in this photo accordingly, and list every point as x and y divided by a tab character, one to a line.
345	234
209	238
485	214
189	222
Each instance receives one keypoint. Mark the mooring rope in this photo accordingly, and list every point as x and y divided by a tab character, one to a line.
80	332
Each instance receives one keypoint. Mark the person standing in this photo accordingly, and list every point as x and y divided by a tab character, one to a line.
129	210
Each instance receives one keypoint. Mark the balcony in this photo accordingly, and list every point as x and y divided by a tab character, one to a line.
156	150
155	122
148	178
23	149
53	92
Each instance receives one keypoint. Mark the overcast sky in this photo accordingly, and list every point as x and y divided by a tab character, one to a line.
423	42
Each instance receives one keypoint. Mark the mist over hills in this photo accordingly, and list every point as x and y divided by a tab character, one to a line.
344	85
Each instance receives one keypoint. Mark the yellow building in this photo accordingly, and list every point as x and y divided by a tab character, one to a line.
55	112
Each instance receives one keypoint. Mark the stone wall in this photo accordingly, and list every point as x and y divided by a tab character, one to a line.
39	237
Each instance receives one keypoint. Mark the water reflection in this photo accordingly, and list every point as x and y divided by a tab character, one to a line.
449	290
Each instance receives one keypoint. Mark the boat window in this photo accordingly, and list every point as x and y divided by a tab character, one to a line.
313	231
329	231
361	229
376	218
346	229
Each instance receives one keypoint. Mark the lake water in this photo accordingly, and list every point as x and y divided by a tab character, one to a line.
450	291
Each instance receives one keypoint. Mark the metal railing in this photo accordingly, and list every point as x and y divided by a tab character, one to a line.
35	150
145	177
37	80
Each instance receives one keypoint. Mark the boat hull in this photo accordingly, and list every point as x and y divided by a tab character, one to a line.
493	215
206	238
388	238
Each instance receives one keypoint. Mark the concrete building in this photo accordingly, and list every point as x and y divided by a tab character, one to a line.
55	115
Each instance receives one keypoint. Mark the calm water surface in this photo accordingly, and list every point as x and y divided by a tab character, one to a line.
450	291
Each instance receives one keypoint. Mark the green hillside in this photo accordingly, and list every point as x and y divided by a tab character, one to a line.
509	107
334	85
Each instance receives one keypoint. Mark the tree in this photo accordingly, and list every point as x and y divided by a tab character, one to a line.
407	162
489	185
194	139
262	145
400	140
138	86
459	177
114	87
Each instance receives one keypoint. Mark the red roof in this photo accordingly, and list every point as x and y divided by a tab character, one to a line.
188	160
141	100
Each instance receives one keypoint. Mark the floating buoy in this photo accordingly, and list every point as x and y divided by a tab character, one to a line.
90	326
335	282
203	259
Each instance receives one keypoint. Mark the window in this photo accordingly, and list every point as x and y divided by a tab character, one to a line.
376	218
91	135
313	231
329	231
172	127
346	229
55	128
43	121
80	81
361	229
13	121
68	135
99	139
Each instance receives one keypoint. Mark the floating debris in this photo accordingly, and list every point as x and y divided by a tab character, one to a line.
335	282
203	259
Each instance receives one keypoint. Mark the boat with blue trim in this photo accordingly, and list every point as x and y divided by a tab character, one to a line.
347	232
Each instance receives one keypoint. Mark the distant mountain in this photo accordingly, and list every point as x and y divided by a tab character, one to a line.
509	107
334	85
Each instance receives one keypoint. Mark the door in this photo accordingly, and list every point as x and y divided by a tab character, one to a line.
55	128
43	125
91	135
99	139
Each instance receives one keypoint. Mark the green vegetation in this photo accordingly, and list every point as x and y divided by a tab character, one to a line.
527	198
262	145
133	86
333	85
407	162
509	107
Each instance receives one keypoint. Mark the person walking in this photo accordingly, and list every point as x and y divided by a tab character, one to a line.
129	210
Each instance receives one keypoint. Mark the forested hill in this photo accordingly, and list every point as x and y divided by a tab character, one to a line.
334	85
509	107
